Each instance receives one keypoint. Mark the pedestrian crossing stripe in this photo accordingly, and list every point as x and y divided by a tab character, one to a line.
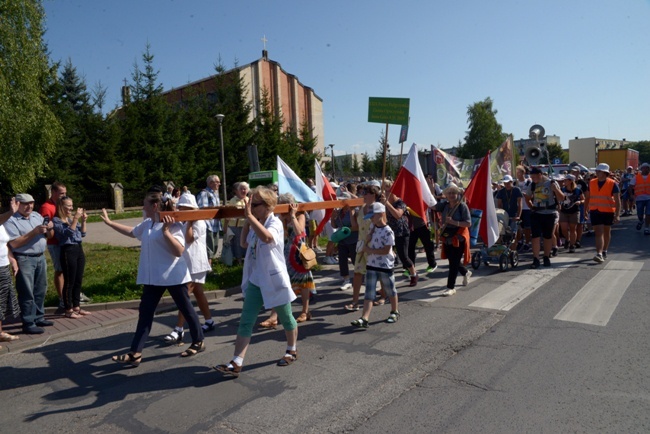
598	299
511	293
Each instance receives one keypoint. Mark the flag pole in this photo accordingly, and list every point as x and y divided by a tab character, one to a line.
383	169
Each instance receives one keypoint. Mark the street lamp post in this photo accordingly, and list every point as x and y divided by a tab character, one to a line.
224	184
331	145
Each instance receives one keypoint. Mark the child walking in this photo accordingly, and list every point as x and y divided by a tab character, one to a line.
380	261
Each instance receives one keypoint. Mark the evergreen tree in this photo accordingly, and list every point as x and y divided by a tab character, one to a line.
355	169
238	130
152	141
269	136
485	133
29	130
366	162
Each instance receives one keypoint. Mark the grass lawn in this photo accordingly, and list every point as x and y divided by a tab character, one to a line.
111	272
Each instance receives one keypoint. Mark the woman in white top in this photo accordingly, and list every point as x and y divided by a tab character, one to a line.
161	267
196	256
265	279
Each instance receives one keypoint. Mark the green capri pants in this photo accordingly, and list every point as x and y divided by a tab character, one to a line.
253	304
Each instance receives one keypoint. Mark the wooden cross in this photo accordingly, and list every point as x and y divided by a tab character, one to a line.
234	212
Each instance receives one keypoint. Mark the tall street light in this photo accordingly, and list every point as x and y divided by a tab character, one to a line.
331	145
224	184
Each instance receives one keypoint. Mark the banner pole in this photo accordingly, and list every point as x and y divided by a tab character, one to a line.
383	169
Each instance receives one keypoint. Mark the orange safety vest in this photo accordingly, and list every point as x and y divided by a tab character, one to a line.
601	198
642	187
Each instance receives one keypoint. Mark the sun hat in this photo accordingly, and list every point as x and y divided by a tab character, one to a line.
187	200
602	167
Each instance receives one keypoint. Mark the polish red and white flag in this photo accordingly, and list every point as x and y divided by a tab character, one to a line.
478	195
324	191
411	185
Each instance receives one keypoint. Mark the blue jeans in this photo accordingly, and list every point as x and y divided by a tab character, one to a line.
642	209
31	285
387	282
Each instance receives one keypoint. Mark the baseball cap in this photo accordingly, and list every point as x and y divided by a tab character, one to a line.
377	208
507	178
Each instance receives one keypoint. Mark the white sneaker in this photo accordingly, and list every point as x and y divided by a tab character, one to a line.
466	278
329	260
448	292
347	284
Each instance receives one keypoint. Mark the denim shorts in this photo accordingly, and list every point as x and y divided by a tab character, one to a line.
387	282
55	255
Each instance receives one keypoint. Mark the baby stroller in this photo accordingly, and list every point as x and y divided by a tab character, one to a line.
500	252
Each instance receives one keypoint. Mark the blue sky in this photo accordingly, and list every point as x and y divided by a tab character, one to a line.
577	67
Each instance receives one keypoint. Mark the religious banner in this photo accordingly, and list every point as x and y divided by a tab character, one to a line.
453	169
502	161
461	170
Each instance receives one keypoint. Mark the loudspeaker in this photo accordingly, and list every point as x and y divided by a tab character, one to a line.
533	154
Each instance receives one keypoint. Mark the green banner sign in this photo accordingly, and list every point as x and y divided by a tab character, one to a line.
388	110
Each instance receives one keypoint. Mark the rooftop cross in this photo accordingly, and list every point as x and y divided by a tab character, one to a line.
264	40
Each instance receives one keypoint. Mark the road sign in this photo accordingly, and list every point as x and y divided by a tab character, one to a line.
388	110
557	161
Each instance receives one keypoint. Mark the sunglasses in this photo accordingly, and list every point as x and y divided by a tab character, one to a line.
256	204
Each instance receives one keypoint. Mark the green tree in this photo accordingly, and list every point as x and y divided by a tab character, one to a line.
29	130
366	162
643	147
70	102
269	136
238	131
152	140
485	133
355	169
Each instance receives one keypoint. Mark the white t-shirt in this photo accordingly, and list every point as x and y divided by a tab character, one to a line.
196	253
4	252
158	265
382	237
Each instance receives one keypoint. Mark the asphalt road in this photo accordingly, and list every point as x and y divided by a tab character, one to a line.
563	349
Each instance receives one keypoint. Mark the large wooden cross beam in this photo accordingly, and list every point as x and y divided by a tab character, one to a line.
234	212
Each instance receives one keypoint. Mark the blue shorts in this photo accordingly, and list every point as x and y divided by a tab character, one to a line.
55	254
642	208
387	282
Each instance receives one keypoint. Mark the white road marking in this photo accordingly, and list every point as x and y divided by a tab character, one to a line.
597	300
508	295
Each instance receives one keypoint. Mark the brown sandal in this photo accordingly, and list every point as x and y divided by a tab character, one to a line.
289	358
73	314
194	349
225	370
305	316
268	324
